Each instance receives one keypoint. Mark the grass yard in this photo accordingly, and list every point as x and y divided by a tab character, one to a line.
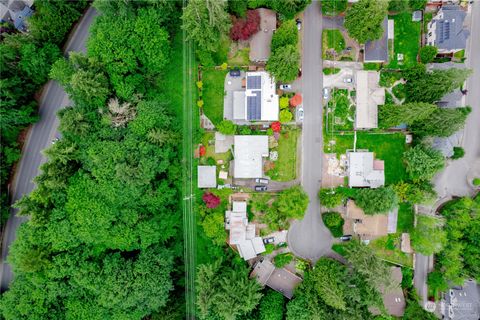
388	248
387	147
173	79
240	58
332	39
213	93
286	165
405	217
407	40
343	112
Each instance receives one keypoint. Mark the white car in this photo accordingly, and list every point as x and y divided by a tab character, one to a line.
326	93
300	114
348	80
286	87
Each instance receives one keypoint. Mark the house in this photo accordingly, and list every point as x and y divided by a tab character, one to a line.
16	12
364	170
249	152
280	280
207	176
462	302
242	234
368	227
369	96
393	298
260	42
446	30
377	50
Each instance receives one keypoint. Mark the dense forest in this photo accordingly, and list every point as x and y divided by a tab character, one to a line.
25	61
104	236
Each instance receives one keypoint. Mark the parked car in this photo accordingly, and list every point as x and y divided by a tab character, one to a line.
348	48
326	93
348	80
286	87
235	73
299	24
346	237
261	180
55	140
268	240
300	114
260	188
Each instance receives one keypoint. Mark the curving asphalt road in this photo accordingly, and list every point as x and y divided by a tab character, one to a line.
309	238
39	137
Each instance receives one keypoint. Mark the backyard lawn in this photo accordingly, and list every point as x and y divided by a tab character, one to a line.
332	39
388	248
286	165
387	147
407	40
213	93
342	112
405	217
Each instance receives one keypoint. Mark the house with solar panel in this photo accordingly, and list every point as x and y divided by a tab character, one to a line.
446	30
251	98
16	12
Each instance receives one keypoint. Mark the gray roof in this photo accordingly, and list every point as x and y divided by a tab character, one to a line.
417	15
464	302
450	33
378	50
207	176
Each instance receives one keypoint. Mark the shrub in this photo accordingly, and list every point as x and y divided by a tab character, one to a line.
333	7
227	127
211	200
202	151
285	116
328	71
244	28
200	103
211	161
296	100
269	247
269	132
199	85
388	78
245	130
372	66
276	126
373	201
284	103
476	181
224	66
282	260
330	198
334	222
428	53
458	152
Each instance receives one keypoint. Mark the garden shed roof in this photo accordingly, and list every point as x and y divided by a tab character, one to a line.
207	176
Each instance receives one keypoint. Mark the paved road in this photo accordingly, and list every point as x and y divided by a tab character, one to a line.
39	137
309	238
453	180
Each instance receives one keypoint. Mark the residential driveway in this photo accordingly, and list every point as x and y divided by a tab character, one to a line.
309	238
336	80
333	23
39	137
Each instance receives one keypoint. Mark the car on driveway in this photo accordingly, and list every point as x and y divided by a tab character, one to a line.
261	180
326	93
268	240
235	73
346	237
260	188
285	87
299	24
348	80
300	114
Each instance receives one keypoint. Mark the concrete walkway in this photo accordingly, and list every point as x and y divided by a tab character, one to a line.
309	238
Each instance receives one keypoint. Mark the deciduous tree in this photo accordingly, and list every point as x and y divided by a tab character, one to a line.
366	29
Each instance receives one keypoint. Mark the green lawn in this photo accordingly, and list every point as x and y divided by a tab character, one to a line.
286	165
388	248
332	39
213	93
240	58
407	40
388	147
405	217
173	78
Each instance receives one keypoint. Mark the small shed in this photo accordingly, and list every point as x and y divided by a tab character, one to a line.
207	176
417	16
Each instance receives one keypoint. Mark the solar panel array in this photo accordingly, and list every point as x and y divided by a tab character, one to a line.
444	31
254	82
254	106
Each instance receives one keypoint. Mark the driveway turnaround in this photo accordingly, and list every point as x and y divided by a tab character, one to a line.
309	238
39	137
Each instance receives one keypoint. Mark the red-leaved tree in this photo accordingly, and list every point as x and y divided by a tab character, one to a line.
244	28
276	126
202	151
211	200
296	100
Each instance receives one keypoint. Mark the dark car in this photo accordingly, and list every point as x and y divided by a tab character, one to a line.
346	237
268	240
260	188
235	73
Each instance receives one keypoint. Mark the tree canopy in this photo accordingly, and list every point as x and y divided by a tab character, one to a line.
423	162
363	29
391	115
428	237
376	201
333	7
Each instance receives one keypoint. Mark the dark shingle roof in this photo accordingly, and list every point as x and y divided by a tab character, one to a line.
449	32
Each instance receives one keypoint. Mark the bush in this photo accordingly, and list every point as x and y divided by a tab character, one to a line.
227	127
399	91
245	130
334	222
428	54
476	181
374	201
388	78
211	200
243	29
328	71
282	260
333	7
200	103
269	247
285	116
458	152
372	66
417	4
276	126
284	102
330	198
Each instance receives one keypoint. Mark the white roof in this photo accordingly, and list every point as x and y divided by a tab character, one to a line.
361	171
246	250
249	152
369	96
239	206
258	245
237	223
207	176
